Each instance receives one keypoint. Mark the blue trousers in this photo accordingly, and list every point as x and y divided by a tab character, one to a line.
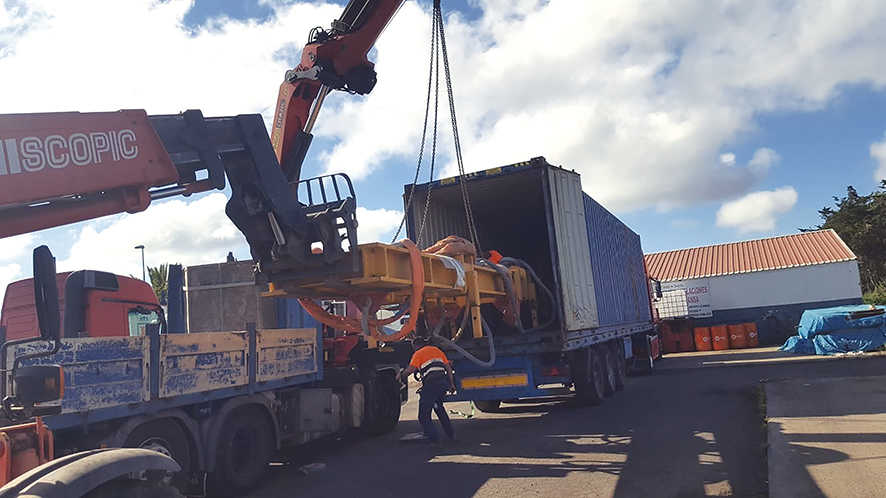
431	398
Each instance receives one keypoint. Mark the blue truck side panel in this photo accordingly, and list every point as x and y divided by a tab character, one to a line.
108	378
99	373
616	262
291	315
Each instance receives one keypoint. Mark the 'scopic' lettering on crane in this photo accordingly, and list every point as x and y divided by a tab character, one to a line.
35	153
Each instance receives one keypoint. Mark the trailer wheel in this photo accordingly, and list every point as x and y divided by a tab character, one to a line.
383	405
245	446
165	436
610	368
621	366
135	488
588	371
488	405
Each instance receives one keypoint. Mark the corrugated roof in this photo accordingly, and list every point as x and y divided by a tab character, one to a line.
802	249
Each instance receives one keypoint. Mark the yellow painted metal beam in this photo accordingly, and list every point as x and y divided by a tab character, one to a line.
387	270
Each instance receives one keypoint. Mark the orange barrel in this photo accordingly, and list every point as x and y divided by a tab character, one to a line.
751	331
719	338
703	339
738	338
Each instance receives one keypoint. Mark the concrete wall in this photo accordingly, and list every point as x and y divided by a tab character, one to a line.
805	284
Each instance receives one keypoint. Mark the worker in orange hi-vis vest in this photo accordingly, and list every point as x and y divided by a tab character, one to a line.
436	379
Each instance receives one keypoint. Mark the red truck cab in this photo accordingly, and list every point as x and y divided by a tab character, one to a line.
92	304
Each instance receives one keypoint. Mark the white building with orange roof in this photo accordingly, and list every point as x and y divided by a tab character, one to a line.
768	281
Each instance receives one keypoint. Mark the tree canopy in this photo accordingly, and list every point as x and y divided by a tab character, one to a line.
860	220
157	274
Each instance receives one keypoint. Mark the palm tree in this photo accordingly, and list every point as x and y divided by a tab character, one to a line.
158	281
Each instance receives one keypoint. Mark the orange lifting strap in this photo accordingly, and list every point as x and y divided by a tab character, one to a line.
356	325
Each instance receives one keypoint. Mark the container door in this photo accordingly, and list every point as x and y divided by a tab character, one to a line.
573	253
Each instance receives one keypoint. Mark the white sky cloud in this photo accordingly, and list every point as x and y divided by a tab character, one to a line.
763	159
13	248
377	225
727	158
171	231
757	211
9	273
152	61
878	152
652	92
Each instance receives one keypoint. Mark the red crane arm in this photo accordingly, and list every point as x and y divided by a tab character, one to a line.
334	60
61	168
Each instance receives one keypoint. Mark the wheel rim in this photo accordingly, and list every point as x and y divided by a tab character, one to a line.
161	446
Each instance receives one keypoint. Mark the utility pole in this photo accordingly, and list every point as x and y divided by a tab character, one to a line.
143	260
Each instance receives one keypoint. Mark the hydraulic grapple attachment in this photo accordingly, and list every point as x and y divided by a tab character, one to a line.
288	239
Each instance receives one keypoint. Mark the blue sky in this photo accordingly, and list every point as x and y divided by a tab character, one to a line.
822	152
704	123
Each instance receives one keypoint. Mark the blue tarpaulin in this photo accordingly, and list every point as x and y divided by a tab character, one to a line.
825	320
832	330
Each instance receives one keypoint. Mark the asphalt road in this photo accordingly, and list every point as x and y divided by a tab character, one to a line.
684	431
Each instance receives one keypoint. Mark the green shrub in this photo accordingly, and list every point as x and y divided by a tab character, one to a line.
877	295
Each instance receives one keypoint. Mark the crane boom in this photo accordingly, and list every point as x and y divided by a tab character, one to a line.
60	168
333	60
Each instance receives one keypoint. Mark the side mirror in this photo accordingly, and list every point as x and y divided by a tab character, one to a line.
46	293
38	384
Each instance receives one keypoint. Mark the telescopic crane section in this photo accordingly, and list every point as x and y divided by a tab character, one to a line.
64	167
332	60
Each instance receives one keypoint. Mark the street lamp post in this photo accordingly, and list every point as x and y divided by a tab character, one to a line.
143	260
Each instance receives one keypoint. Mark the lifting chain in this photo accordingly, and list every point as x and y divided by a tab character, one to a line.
438	50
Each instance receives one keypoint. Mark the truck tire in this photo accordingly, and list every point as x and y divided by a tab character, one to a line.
621	365
135	488
165	436
383	405
488	405
588	372
610	368
245	447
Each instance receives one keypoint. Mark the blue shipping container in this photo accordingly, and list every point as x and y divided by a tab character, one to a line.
617	262
590	260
